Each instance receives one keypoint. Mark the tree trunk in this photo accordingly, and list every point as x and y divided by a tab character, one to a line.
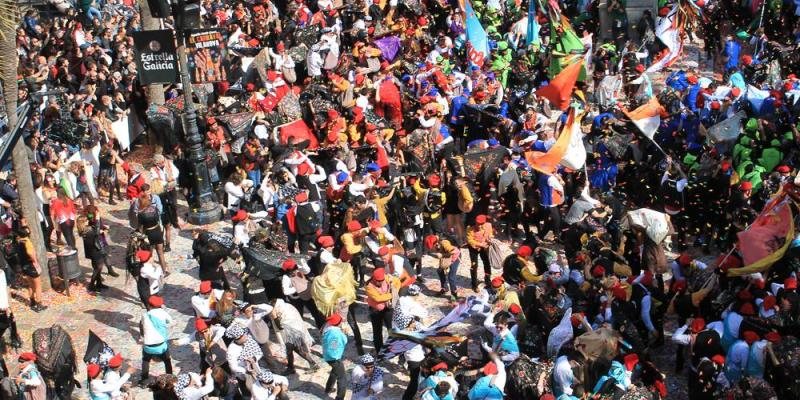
155	92
22	166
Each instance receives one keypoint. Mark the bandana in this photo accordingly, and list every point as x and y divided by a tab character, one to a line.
265	377
234	332
401	320
250	349
181	384
366	359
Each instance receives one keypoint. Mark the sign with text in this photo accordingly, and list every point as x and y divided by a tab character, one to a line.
156	57
205	52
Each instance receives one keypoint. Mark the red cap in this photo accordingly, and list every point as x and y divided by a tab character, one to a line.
736	92
497	281
440	366
514	309
301	197
379	274
332	137
790	283
93	370
155	301
490	368
598	271
769	302
679	285
619	293
773	337
370	139
353	226
430	241
480	219
434	180
747	309
115	361
630	361
375	225
524	251
744	294
750	337
211	120
289	265
383	251
326	241
715	105
205	287
747	60
647	279
421	21
692	79
698	325
745	186
784	169
200	324
250	87
27	356
663	12
280	46
640	68
240	216
143	255
725	166
332	114
335	319
371	127
718	359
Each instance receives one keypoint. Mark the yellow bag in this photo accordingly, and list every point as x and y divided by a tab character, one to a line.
157	186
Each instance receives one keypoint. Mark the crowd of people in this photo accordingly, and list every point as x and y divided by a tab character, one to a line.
360	150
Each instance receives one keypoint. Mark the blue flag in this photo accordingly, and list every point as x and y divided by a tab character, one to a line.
477	40
533	26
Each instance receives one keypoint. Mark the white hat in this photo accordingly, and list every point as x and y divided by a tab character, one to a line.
554	267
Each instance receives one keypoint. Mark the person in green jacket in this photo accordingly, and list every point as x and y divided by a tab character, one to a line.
501	62
771	156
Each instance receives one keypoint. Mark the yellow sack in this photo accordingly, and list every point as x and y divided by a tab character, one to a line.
335	285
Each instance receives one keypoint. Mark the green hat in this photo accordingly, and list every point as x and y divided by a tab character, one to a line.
742	35
689	159
491	29
775	143
439	59
751	125
745	141
502	45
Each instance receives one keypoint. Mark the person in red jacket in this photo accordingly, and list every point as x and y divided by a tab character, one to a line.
387	97
135	180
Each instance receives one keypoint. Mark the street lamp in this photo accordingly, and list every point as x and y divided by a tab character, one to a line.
203	207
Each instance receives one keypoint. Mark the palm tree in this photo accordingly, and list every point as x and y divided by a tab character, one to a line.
9	21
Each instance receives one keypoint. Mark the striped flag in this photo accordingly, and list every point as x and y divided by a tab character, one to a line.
647	117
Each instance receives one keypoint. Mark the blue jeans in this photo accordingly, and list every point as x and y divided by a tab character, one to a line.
255	176
451	278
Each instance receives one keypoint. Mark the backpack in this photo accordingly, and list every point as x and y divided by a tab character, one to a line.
136	242
306	220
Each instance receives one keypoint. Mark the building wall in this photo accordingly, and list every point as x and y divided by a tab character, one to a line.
635	10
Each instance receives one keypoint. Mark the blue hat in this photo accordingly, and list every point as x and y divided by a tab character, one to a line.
372	167
490	76
341	177
493	142
425	84
434	92
474	68
467	91
405	77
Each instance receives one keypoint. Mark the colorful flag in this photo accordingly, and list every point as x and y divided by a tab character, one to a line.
670	34
548	162
575	157
477	40
559	91
647	117
533	25
389	47
768	237
756	97
565	44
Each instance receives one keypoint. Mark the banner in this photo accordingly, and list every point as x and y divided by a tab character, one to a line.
204	52
727	129
532	35
122	132
389	46
477	40
156	57
768	237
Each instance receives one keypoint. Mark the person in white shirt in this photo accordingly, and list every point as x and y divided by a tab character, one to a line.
366	380
314	61
326	255
253	318
190	386
236	189
104	388
204	302
154	328
242	350
414	356
268	386
242	223
150	272
29	380
113	381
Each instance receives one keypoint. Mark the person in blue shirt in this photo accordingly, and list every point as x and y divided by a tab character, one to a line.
691	96
492	385
505	344
458	114
731	52
431	387
333	345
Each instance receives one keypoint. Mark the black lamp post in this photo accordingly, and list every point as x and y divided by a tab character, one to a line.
203	207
